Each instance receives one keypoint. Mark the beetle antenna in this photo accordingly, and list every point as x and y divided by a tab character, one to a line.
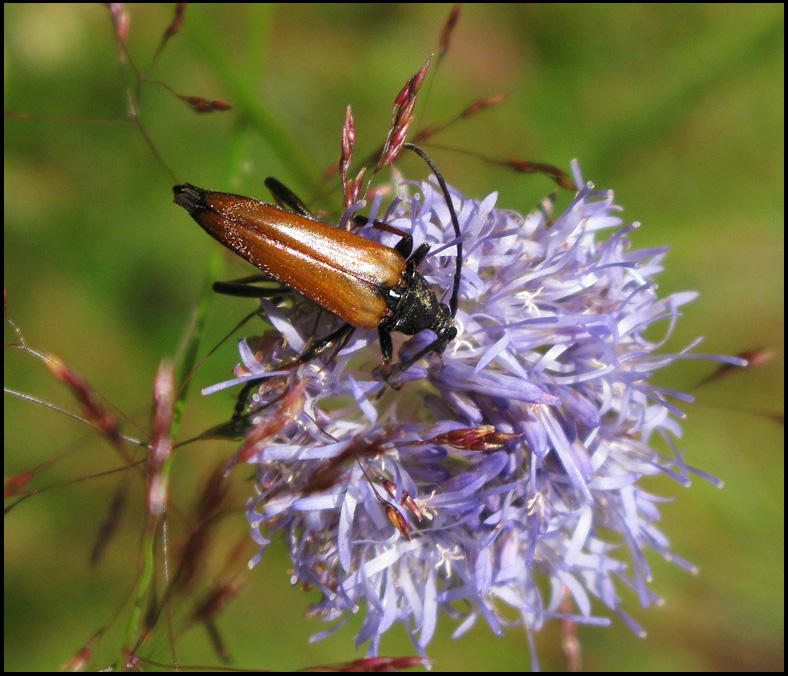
455	222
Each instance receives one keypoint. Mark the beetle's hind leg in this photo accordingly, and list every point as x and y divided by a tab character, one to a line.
285	197
334	339
245	288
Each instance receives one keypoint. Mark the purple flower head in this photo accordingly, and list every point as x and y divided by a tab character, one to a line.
479	487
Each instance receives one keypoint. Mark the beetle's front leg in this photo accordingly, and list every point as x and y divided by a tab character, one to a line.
319	347
386	346
392	373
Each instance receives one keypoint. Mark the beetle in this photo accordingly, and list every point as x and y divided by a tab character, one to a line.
365	283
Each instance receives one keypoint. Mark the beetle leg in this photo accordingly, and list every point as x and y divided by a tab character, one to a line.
392	373
419	255
243	288
251	279
286	197
240	403
385	227
323	344
310	353
405	244
386	346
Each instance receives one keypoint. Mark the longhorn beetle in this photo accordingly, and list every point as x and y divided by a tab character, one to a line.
367	284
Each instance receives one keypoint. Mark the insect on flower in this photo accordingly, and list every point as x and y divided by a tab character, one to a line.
367	284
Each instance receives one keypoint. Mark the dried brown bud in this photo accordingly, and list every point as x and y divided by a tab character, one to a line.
94	411
527	167
448	29
398	521
201	105
406	500
175	26
401	118
289	407
483	104
481	438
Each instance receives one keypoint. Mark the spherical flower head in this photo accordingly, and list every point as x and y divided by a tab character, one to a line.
501	479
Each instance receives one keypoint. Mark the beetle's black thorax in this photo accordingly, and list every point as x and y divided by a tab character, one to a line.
414	307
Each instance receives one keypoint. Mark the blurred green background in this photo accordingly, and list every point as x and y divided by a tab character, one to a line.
679	109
